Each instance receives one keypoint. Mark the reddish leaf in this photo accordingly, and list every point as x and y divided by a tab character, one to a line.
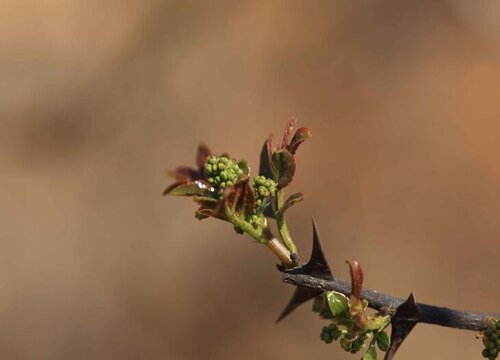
287	132
284	163
265	167
206	201
356	279
300	136
238	199
203	213
189	189
292	200
188	174
184	174
202	155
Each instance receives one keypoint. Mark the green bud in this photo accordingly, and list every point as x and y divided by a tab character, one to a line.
264	188
222	171
212	160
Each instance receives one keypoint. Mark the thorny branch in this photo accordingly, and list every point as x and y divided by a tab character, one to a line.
223	189
428	314
316	277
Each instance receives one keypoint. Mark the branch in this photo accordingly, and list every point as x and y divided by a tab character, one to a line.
315	277
428	314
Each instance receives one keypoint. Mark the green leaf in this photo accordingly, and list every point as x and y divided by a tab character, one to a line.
193	188
284	163
377	322
292	200
383	341
338	303
370	354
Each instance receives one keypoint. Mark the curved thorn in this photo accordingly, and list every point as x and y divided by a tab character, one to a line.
300	296
317	266
403	322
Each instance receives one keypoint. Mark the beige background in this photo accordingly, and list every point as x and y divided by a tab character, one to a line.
98	98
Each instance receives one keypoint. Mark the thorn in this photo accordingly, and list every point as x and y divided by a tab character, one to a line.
403	322
317	266
300	296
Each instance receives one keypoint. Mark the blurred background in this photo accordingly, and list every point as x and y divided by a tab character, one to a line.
99	98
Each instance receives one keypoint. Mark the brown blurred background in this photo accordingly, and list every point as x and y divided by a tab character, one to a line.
98	98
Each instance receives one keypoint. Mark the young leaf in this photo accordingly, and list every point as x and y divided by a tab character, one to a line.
284	163
189	189
205	202
356	279
301	135
370	354
292	200
377	322
287	132
383	341
203	213
185	174
202	155
338	303
238	199
265	167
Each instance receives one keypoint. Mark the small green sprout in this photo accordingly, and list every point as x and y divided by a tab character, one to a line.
349	323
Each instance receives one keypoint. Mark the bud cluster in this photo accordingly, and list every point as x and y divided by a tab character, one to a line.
264	188
348	342
491	339
221	171
330	333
